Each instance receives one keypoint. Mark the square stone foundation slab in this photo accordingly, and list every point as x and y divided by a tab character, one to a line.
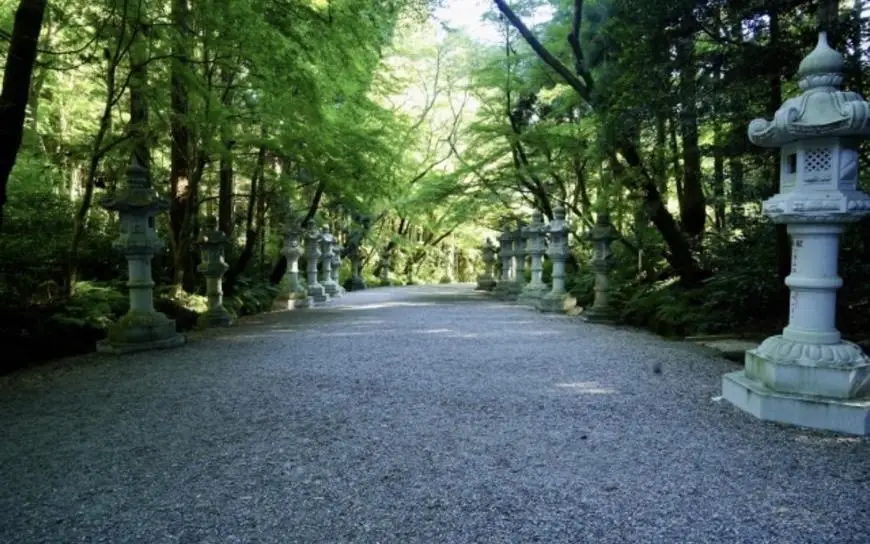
844	416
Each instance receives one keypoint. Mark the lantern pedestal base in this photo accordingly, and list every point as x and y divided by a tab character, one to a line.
558	303
840	415
140	331
532	294
502	289
332	289
215	318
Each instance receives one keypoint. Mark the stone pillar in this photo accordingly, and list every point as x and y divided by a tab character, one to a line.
535	247
295	294
142	327
486	282
355	255
212	244
336	268
327	243
386	262
312	255
602	235
808	375
554	300
506	255
519	261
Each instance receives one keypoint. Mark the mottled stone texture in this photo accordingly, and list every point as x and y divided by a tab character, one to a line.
142	327
809	375
212	244
312	255
602	235
536	247
294	293
555	299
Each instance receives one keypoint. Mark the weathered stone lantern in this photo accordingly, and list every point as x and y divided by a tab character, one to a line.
327	241
312	256
505	253
809	375
296	295
142	327
536	246
602	235
485	282
354	253
212	244
554	300
519	252
336	267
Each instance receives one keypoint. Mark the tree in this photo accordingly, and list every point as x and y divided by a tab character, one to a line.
23	44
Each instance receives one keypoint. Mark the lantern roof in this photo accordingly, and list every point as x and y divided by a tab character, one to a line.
137	194
822	111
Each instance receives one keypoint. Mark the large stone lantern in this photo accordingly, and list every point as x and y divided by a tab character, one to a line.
554	300
505	253
519	262
296	295
536	247
808	375
337	249
486	282
212	244
602	236
142	327
312	256
327	243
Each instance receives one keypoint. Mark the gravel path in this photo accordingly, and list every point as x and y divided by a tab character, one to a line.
404	415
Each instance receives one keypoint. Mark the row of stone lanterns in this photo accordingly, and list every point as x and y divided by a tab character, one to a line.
530	241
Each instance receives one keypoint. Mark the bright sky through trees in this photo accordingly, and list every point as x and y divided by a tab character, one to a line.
466	15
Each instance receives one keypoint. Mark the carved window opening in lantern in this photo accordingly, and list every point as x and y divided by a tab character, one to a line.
791	163
817	160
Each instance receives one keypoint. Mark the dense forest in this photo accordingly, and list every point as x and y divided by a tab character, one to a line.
377	117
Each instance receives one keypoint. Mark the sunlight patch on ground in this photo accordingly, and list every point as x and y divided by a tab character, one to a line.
592	388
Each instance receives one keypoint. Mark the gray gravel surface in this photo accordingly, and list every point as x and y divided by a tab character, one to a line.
425	414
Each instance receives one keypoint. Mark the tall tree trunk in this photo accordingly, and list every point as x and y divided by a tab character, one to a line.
16	86
182	188
693	206
738	197
252	229
718	177
226	172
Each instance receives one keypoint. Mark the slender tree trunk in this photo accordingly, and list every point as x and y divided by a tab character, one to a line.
16	86
252	230
693	209
718	177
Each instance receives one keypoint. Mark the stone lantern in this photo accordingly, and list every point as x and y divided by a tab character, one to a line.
312	255
505	253
142	327
808	375
336	268
486	282
554	300
535	247
212	244
327	242
296	294
602	235
519	252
